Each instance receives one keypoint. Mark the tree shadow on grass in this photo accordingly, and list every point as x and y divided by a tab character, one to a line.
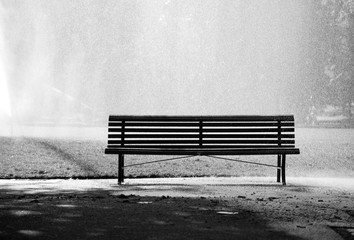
87	168
99	214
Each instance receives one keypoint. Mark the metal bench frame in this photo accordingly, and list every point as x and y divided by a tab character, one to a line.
210	136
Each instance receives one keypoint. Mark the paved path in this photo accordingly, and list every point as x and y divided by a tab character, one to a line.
223	186
177	208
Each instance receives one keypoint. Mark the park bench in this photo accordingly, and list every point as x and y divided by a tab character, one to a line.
213	136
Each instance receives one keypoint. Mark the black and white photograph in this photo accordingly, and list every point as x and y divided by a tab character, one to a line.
177	119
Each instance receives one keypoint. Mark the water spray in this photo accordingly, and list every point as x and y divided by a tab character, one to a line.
5	105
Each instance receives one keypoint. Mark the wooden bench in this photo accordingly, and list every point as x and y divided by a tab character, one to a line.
211	136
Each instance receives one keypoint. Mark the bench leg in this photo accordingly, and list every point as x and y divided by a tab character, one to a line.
278	169
120	168
283	169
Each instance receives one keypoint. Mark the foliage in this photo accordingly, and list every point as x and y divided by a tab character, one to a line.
329	54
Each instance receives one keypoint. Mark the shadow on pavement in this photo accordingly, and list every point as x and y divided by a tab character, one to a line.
99	214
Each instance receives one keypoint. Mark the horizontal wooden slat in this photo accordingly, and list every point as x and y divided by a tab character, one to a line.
224	130
198	151
195	141
195	124
162	130
154	124
202	118
204	146
197	136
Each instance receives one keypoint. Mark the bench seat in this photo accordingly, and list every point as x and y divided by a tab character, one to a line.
201	151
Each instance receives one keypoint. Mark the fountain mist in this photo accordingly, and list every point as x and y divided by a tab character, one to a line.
5	106
71	61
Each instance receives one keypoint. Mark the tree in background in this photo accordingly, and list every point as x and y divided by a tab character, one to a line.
329	54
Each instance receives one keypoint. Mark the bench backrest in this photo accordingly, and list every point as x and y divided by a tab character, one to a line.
201	131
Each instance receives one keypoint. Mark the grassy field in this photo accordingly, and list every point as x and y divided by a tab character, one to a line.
324	153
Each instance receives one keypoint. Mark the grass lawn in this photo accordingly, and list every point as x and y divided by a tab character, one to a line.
324	153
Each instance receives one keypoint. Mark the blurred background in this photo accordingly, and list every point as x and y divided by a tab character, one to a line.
75	62
65	65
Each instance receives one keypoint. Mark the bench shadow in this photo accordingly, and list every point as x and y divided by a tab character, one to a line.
262	185
214	184
198	190
107	214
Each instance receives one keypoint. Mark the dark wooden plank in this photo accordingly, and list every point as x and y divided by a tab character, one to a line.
161	130
202	118
223	130
279	133
250	130
196	141
246	146
198	151
159	141
248	136
197	146
123	132
196	124
200	133
155	124
205	136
